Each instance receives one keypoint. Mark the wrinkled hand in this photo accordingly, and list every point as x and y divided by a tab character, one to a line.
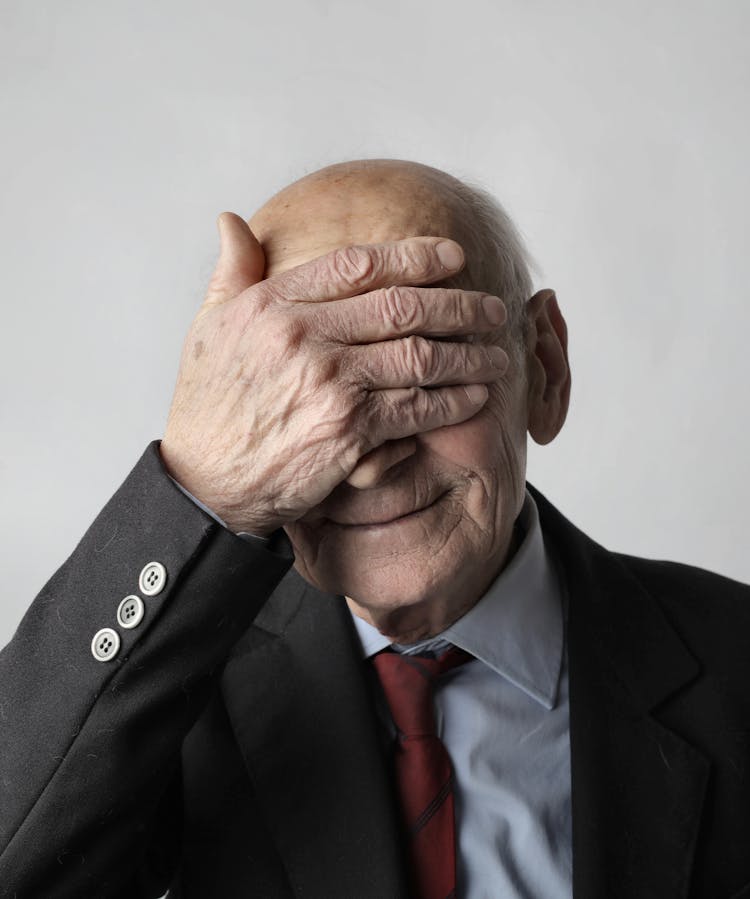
285	384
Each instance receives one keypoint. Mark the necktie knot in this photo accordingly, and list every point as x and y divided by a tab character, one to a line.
408	682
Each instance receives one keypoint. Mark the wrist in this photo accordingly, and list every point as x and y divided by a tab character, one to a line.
228	517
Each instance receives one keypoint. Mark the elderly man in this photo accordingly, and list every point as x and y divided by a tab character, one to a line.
325	641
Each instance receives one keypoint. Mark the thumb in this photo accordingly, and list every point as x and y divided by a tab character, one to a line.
241	260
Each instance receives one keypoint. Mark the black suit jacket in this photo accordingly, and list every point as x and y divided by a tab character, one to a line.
231	748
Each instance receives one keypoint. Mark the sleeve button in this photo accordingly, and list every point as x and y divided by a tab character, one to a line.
105	645
152	579
130	612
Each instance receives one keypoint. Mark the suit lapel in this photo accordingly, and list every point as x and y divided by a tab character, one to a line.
303	717
638	787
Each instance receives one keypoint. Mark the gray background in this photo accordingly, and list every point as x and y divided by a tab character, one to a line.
616	134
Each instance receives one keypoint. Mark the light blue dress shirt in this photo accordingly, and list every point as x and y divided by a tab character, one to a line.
504	719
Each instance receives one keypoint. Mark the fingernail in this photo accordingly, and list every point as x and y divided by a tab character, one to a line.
450	255
494	309
477	393
498	357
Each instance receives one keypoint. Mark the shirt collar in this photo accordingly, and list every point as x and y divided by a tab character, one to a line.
517	625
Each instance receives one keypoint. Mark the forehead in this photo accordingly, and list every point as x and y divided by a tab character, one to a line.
317	215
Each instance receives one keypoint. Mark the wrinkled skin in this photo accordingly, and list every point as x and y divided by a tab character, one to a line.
455	486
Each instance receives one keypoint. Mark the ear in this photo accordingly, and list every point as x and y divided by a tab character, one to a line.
548	367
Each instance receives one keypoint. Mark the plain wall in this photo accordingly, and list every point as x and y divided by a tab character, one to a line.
616	135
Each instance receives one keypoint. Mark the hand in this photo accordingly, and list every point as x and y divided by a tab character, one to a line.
286	383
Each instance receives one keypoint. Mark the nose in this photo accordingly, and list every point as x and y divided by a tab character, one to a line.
373	466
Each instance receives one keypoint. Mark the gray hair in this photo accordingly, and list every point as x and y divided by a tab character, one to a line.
498	261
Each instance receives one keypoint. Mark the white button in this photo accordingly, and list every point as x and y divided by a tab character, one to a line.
105	645
130	611
152	579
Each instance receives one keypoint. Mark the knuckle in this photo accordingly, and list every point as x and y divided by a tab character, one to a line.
419	357
355	430
361	440
260	296
291	331
352	451
399	309
330	423
417	258
437	402
322	375
463	307
355	266
473	359
427	406
374	414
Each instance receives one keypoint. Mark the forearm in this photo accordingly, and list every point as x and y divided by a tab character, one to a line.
87	747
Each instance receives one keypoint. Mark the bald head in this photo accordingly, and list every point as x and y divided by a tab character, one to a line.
379	200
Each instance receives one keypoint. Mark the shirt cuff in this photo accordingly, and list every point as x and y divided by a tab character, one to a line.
251	538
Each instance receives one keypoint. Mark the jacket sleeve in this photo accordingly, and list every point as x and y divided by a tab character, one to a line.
89	749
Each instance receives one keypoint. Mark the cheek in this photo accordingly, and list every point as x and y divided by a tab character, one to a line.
491	449
471	445
486	440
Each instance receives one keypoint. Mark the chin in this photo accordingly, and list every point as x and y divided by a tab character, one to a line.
424	570
409	611
407	598
385	586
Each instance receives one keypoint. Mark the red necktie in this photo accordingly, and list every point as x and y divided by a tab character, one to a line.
423	767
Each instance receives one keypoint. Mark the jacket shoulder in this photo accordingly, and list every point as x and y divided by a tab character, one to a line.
708	609
687	584
711	612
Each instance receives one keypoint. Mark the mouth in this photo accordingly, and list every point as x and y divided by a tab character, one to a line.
388	521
